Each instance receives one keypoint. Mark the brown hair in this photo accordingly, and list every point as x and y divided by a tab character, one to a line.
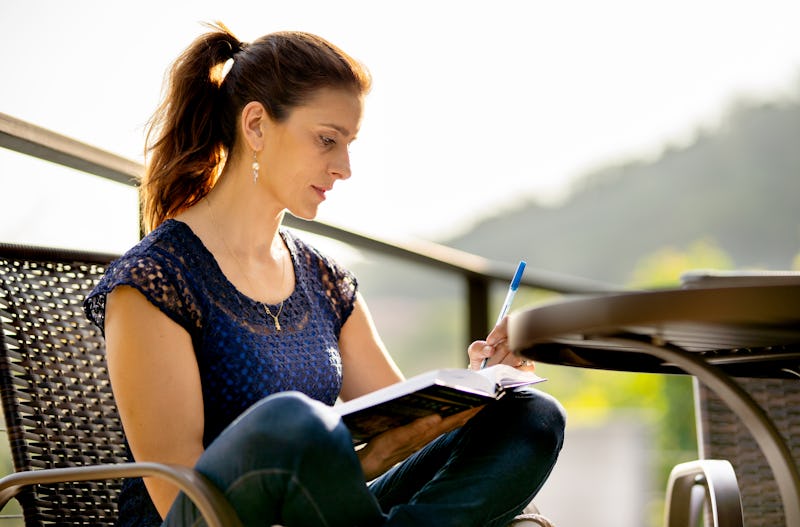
194	128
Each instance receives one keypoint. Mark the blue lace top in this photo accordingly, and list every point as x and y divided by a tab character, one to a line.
240	355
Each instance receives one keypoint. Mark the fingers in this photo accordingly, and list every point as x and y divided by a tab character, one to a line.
499	332
499	353
492	350
478	351
495	353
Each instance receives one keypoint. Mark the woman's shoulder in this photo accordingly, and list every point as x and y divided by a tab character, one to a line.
170	238
171	245
160	266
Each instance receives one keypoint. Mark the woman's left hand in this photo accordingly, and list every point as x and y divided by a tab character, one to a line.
395	445
496	349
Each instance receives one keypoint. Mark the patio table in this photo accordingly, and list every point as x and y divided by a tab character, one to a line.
715	328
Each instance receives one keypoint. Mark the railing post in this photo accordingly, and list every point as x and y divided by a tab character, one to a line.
477	307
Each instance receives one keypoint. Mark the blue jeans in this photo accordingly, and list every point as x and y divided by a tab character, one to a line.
289	460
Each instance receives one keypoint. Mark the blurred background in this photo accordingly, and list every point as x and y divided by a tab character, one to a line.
623	141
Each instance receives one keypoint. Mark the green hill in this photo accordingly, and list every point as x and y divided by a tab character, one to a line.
737	186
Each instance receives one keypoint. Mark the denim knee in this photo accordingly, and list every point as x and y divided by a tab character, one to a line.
525	421
545	418
288	460
527	439
292	416
288	425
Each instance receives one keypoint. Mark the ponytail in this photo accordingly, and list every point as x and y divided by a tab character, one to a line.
185	144
194	129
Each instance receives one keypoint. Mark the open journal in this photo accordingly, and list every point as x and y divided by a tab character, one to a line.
445	392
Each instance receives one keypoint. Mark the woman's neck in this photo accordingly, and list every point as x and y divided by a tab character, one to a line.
242	234
237	216
243	213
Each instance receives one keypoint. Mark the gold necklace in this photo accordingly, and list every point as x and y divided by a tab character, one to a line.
241	268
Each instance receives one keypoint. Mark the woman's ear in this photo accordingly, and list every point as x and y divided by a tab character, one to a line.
254	117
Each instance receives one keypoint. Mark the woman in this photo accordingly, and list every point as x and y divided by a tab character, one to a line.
228	338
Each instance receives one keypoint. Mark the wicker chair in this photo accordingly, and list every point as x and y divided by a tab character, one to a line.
63	427
723	435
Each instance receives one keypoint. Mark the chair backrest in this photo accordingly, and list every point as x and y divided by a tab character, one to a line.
723	435
56	395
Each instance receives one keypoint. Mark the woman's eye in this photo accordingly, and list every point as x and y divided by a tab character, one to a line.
327	141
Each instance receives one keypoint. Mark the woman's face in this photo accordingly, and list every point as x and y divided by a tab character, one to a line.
307	153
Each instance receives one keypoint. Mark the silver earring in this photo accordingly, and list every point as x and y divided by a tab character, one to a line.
255	166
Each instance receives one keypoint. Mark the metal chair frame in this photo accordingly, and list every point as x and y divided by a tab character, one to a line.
719	488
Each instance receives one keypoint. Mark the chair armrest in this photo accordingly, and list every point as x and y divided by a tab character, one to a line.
211	503
721	492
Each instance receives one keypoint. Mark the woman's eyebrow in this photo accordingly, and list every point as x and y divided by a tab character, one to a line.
342	130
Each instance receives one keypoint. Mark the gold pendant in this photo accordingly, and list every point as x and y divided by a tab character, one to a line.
274	317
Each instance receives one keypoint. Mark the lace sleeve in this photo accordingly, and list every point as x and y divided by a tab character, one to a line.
340	286
162	280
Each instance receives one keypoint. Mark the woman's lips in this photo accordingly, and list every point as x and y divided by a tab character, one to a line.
321	191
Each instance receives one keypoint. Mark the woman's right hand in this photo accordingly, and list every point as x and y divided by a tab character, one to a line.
385	450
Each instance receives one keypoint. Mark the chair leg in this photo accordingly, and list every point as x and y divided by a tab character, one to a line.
708	480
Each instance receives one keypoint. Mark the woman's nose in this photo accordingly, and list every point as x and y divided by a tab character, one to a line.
341	167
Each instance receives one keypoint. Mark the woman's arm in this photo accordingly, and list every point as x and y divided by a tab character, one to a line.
156	384
367	367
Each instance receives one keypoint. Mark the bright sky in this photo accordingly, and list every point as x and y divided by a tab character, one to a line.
476	105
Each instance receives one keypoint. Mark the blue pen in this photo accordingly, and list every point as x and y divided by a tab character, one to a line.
512	290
